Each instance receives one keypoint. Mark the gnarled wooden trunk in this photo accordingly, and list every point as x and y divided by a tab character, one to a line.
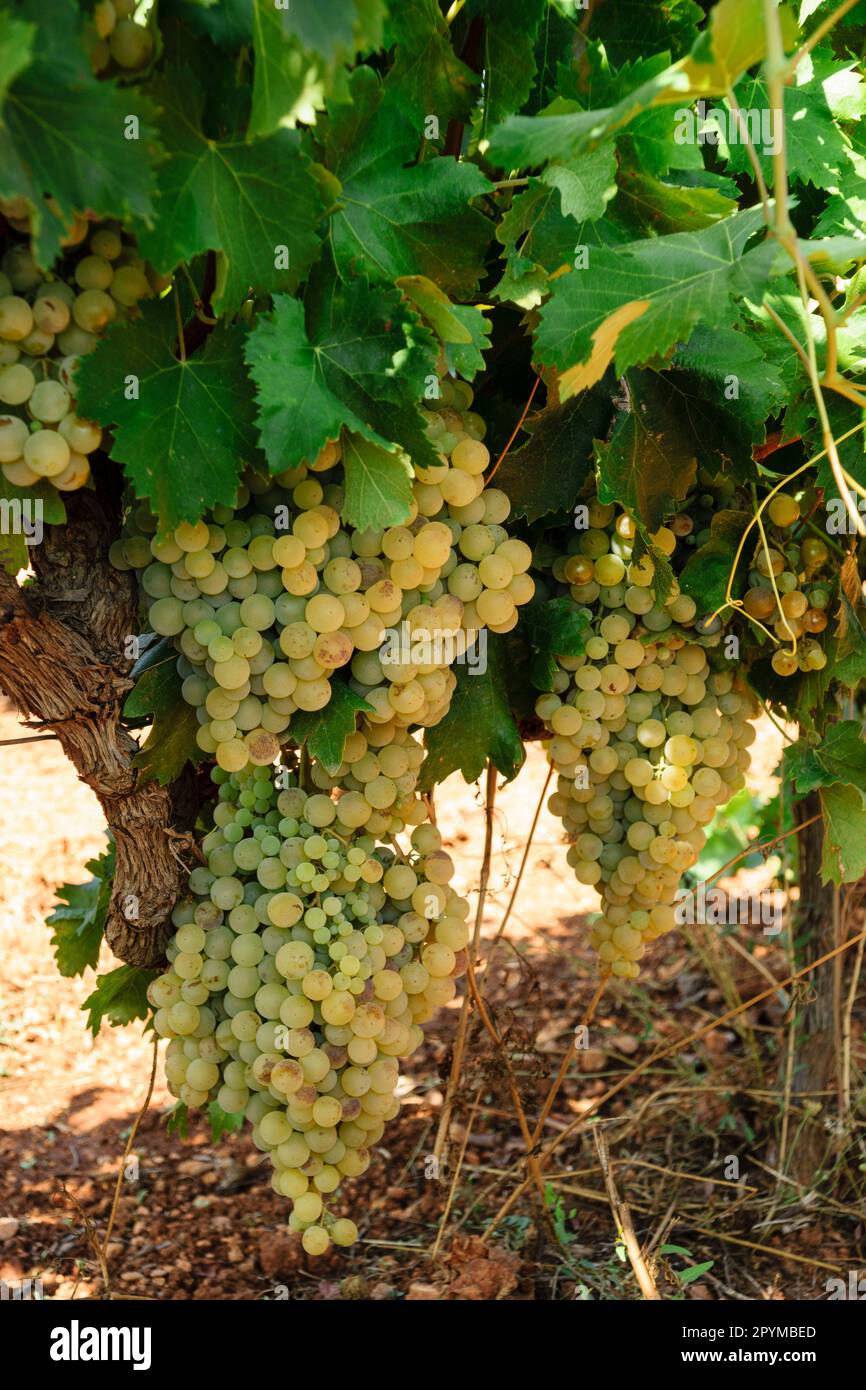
62	660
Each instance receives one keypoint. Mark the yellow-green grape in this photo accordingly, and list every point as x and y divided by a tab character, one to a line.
301	967
46	325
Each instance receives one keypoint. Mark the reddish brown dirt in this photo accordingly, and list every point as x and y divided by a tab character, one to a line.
197	1221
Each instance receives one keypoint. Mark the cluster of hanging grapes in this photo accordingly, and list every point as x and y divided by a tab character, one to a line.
648	738
47	323
314	944
299	974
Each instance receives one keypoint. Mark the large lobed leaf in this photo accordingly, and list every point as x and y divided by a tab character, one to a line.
257	203
636	302
393	220
183	429
353	356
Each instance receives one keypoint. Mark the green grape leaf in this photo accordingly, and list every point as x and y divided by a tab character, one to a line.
462	329
16	50
79	918
839	757
648	139
23	512
509	34
427	78
845	209
170	745
157	688
815	148
704	577
157	696
554	627
733	41
548	241
378	485
649	463
183	430
586	185
285	83
549	471
844	856
88	142
638	301
222	1122
177	1120
728	389
850	669
255	202
467	359
120	997
650	205
631	28
353	356
336	29
299	48
393	220
479	725
229	23
324	731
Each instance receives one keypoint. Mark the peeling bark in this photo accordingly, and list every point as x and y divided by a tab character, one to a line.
62	661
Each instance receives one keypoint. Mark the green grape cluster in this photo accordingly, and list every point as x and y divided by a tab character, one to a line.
47	323
117	44
648	740
300	972
790	587
268	600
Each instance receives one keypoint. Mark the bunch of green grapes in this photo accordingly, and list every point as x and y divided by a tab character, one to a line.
791	585
300	973
647	739
117	44
381	764
47	323
268	600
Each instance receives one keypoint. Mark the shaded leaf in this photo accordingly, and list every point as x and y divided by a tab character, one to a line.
222	1122
393	220
255	202
479	725
324	732
549	471
554	627
186	436
63	130
650	462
